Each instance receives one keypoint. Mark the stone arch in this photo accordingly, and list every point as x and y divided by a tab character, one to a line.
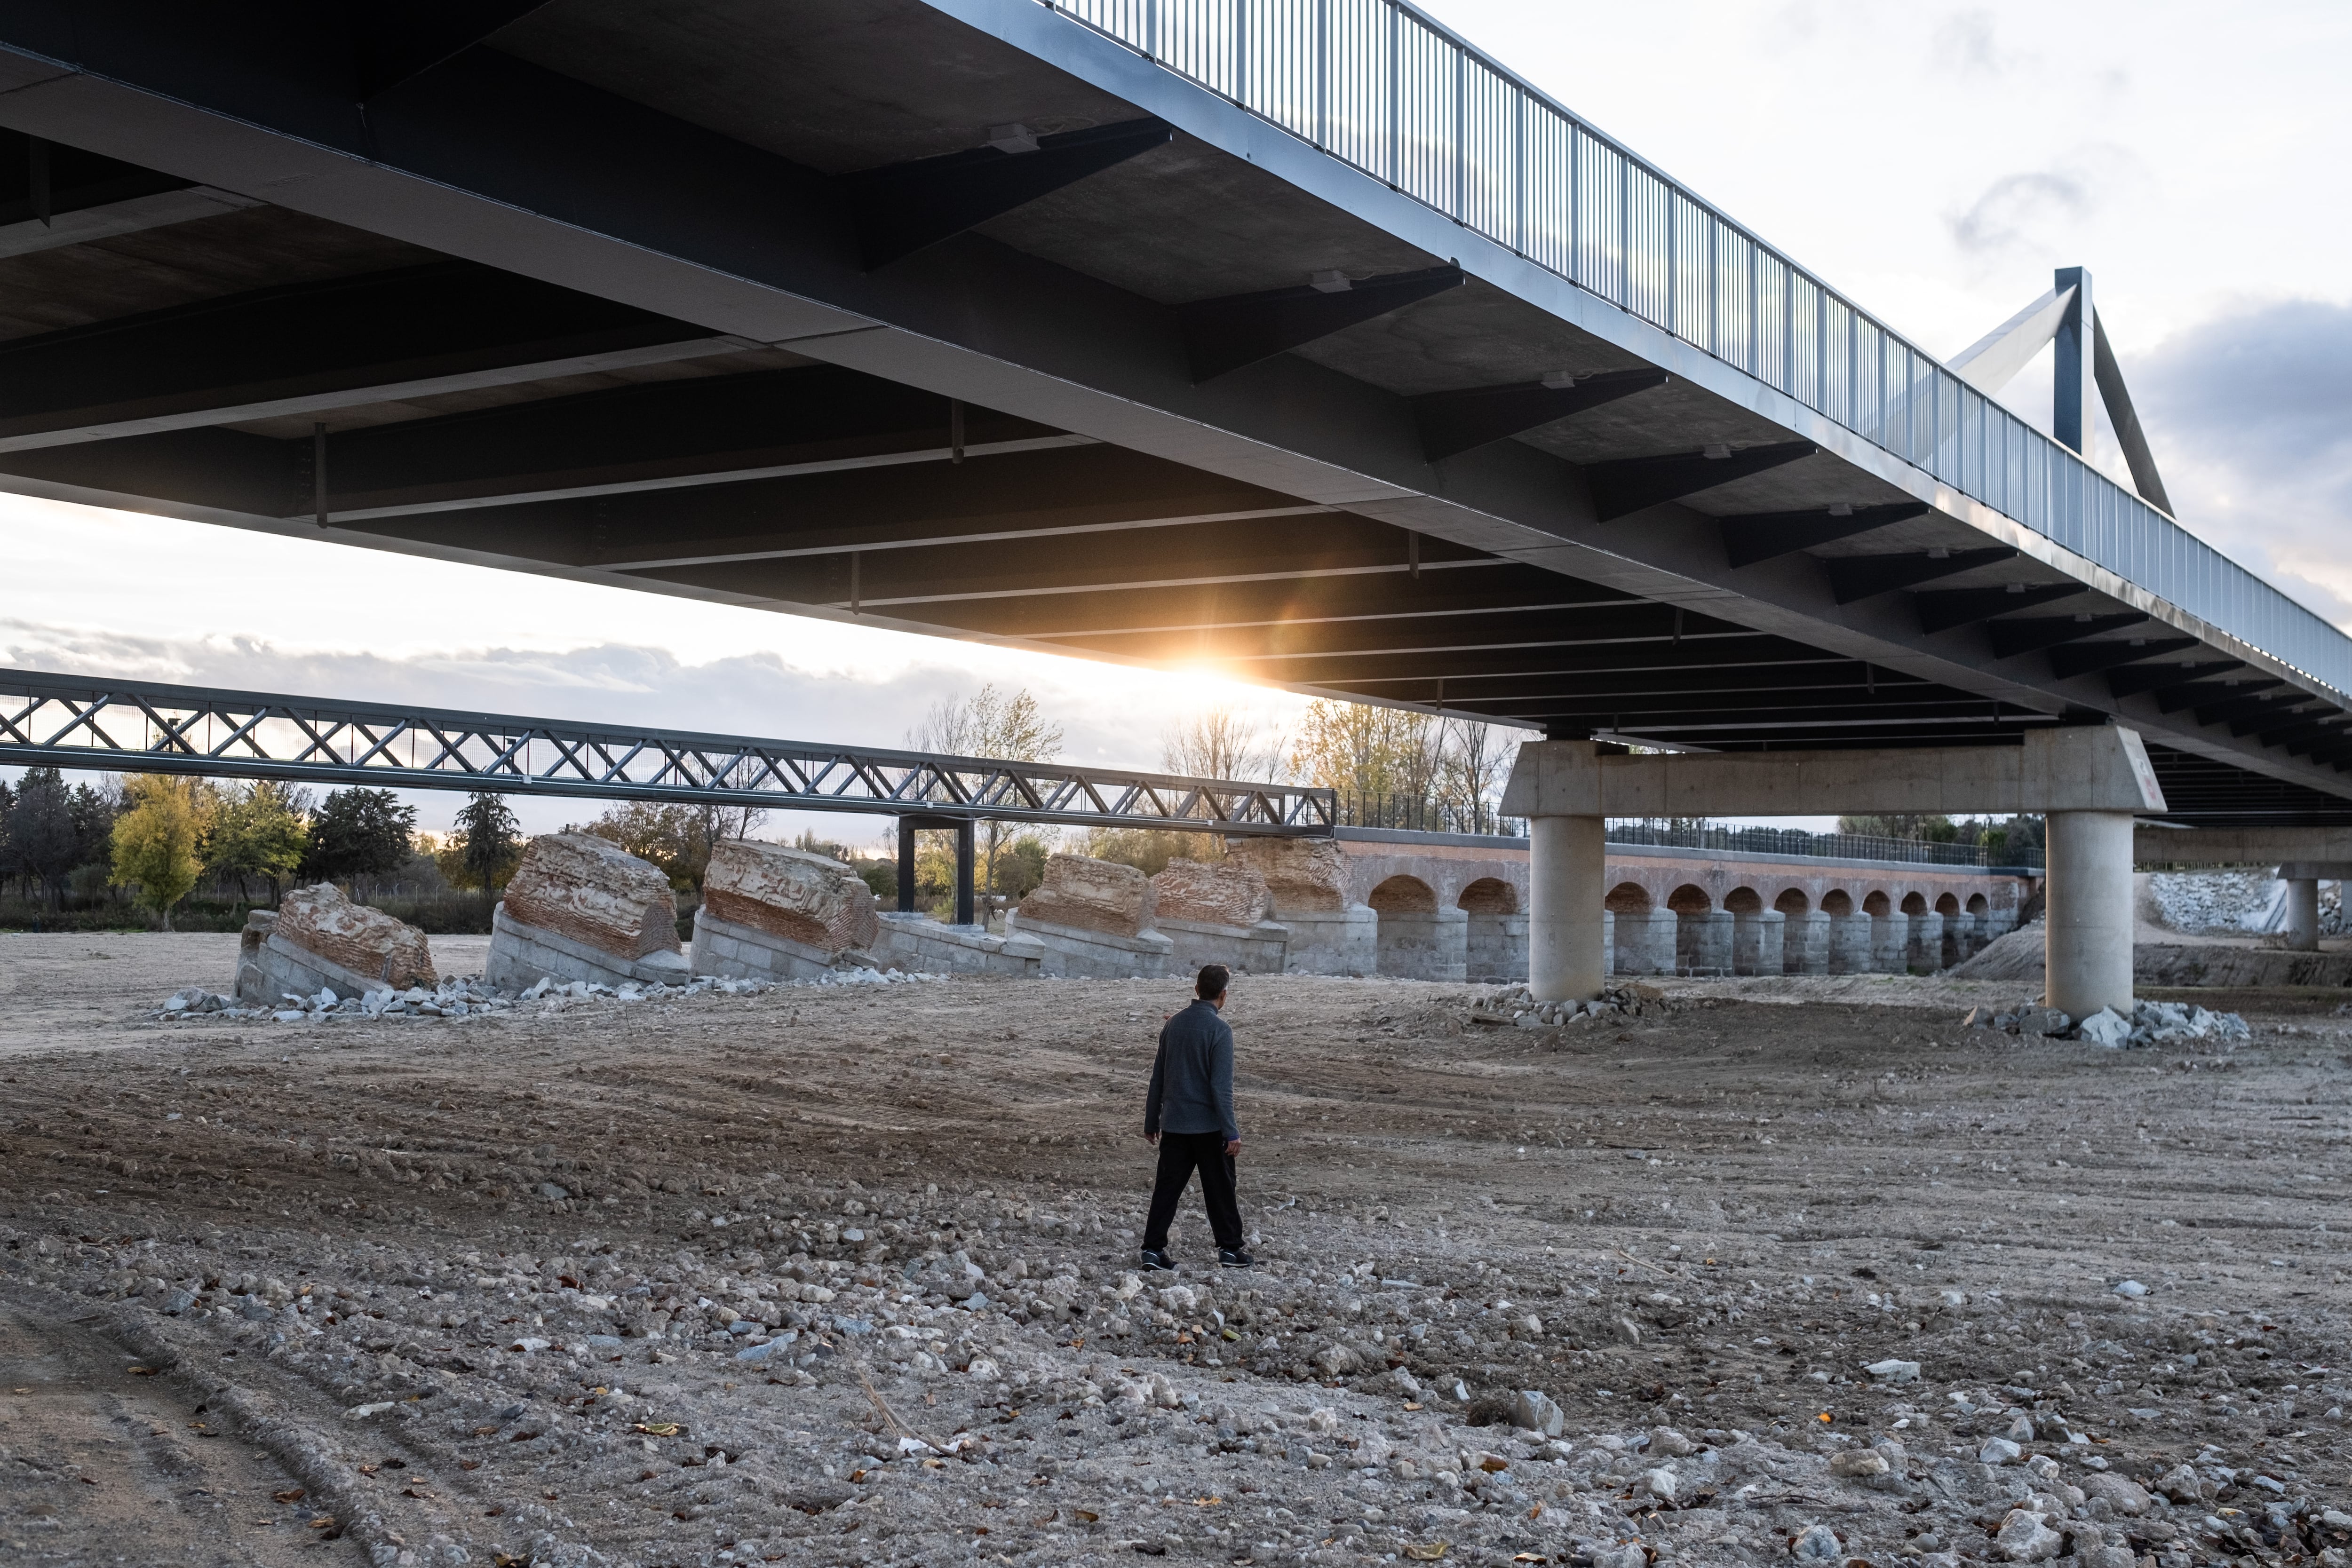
1875	903
1947	904
1488	896
1792	902
1403	894
1979	904
1416	940
1837	901
1690	899
1743	901
1627	898
1914	904
1495	937
1702	936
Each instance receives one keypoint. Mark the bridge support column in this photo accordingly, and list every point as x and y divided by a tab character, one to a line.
1805	943
962	828
2087	950
1608	943
1849	944
1890	936
2301	913
1757	938
1703	943
1925	954
1566	879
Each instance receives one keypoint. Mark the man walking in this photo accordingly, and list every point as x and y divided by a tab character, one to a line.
1190	1114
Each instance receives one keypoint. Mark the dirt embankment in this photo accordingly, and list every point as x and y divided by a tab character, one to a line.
695	1281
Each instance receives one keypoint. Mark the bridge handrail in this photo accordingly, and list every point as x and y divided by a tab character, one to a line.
71	721
1383	88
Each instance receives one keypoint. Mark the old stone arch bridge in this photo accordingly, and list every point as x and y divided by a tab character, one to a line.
1448	907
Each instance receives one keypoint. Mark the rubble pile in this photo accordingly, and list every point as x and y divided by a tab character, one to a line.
2234	902
1517	1004
2151	1023
469	996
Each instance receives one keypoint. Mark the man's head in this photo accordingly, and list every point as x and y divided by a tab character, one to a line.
1210	986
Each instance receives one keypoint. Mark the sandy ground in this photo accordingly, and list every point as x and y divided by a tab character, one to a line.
692	1281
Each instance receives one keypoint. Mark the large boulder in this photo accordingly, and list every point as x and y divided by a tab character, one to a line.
1081	893
1303	876
321	921
801	897
1214	893
590	891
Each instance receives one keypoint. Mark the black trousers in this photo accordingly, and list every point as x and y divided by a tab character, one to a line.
1180	1154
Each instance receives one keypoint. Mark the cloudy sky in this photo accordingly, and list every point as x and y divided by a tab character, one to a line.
1933	162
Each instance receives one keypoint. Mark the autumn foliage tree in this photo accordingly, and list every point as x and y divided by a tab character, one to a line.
155	840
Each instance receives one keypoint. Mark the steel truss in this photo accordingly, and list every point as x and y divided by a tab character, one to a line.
73	722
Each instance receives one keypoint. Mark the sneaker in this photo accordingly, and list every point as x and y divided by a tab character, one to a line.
1158	1261
1234	1257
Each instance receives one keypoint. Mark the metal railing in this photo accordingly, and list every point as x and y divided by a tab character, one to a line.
1416	814
68	721
1384	89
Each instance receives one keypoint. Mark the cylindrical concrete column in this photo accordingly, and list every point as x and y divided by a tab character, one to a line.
2302	914
2087	948
1566	879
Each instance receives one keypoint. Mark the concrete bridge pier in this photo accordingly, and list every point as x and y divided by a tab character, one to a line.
2302	913
1702	942
2086	780
2088	948
1849	946
1926	951
1568	873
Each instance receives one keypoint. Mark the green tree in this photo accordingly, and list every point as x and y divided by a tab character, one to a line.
43	841
155	840
676	838
359	832
256	830
487	842
1000	726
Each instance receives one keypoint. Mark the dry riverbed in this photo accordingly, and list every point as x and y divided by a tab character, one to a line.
845	1275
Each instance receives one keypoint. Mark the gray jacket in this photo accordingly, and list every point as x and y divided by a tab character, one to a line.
1192	1078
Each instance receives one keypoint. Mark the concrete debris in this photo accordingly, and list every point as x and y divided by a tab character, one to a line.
1894	1371
2151	1023
2232	902
1516	1005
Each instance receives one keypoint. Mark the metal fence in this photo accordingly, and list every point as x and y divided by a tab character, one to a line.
1378	85
66	721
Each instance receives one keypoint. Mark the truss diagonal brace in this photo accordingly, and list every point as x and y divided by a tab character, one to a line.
1861	576
1224	335
904	207
1763	536
1455	422
1630	483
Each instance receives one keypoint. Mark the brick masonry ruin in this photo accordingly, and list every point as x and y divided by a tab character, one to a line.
318	938
771	913
1095	918
1332	930
1220	911
580	908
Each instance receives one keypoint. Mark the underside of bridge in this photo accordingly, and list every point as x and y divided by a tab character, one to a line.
871	309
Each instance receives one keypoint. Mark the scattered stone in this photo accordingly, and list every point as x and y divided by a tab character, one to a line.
1894	1371
2122	1493
2180	1484
2024	1537
2131	1288
1998	1451
2106	1026
1532	1411
1660	1484
1858	1464
1667	1441
1816	1543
